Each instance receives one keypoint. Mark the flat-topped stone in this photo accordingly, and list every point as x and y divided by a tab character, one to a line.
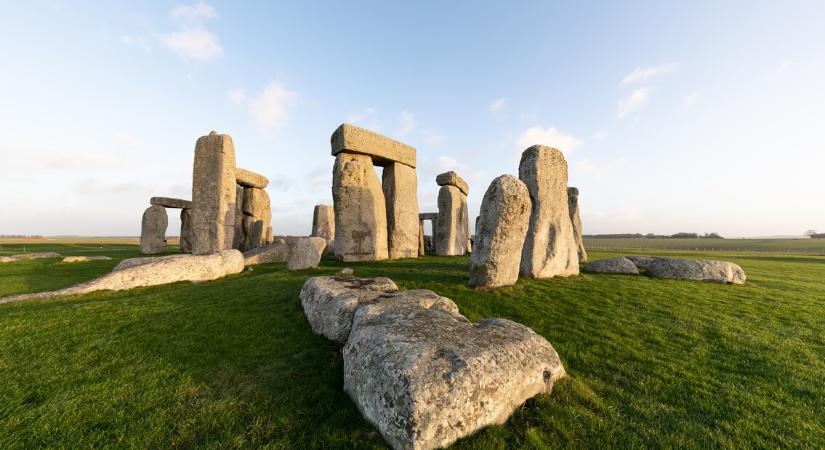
168	202
452	179
248	178
428	216
383	150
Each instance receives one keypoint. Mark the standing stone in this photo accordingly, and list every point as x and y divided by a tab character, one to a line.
575	219
550	248
400	186
239	239
502	226
421	249
186	230
305	253
256	204
323	222
256	235
452	224
153	230
360	210
213	194
269	236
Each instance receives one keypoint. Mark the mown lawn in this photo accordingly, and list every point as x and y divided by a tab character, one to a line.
233	363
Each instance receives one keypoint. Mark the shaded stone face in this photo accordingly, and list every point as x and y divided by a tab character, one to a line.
360	210
575	219
213	194
502	227
382	150
250	179
400	186
452	225
256	205
186	230
167	202
323	222
239	239
550	248
256	234
153	230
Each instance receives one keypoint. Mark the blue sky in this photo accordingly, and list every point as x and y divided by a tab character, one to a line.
673	117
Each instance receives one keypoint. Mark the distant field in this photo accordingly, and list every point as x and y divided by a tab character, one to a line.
18	245
800	246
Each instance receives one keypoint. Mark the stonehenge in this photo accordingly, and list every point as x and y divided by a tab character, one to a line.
426	243
305	253
323	222
671	268
502	227
550	248
186	230
29	256
453	223
573	206
257	217
374	220
153	230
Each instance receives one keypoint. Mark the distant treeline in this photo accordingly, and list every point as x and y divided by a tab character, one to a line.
817	236
656	236
20	236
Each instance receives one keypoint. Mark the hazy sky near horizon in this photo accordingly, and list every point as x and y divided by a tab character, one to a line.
673	117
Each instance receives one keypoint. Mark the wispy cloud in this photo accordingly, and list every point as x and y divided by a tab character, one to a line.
550	137
193	41
193	13
642	74
406	123
633	102
237	96
497	105
270	107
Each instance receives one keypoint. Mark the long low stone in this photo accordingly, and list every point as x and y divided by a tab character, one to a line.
695	270
134	262
168	202
428	216
250	179
170	269
452	179
383	150
27	256
72	259
620	265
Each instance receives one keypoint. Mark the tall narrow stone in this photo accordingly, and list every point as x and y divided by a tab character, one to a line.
239	238
360	210
550	248
575	219
256	205
323	222
421	249
213	194
452	225
153	230
501	229
400	187
186	230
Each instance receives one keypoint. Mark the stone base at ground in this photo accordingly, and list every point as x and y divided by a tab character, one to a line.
612	265
71	259
305	253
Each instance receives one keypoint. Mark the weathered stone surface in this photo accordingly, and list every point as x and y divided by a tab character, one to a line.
153	230
73	259
383	150
612	265
696	270
505	215
452	225
428	216
422	250
213	194
452	179
400	186
27	256
133	262
305	253
277	251
330	302
255	235
642	262
185	231
550	248
360	210
239	237
250	179
167	202
256	204
323	222
170	269
269	236
425	376
576	221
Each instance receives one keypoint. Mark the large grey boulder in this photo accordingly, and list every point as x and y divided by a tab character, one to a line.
330	302
277	251
171	269
695	270
305	253
323	222
502	226
360	210
452	225
250	179
27	256
213	194
575	219
167	202
642	262
426	376
153	230
400	186
550	248
381	149
133	262
185	231
612	265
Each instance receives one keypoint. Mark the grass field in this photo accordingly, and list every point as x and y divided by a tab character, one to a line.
233	364
789	246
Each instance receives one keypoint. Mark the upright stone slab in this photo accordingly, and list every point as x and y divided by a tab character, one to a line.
213	194
550	248
186	230
502	226
153	230
421	249
400	186
239	239
323	222
575	219
452	225
256	205
360	210
256	234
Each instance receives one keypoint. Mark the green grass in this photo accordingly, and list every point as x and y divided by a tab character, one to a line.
233	363
795	246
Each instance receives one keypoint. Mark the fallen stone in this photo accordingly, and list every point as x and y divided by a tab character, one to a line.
133	262
695	270
323	222
72	259
305	253
575	219
620	265
641	262
360	210
452	179
185	231
27	256
550	248
400	186
167	202
502	226
153	230
250	179
381	149
165	270
277	251
452	225
330	302
213	194
425	376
